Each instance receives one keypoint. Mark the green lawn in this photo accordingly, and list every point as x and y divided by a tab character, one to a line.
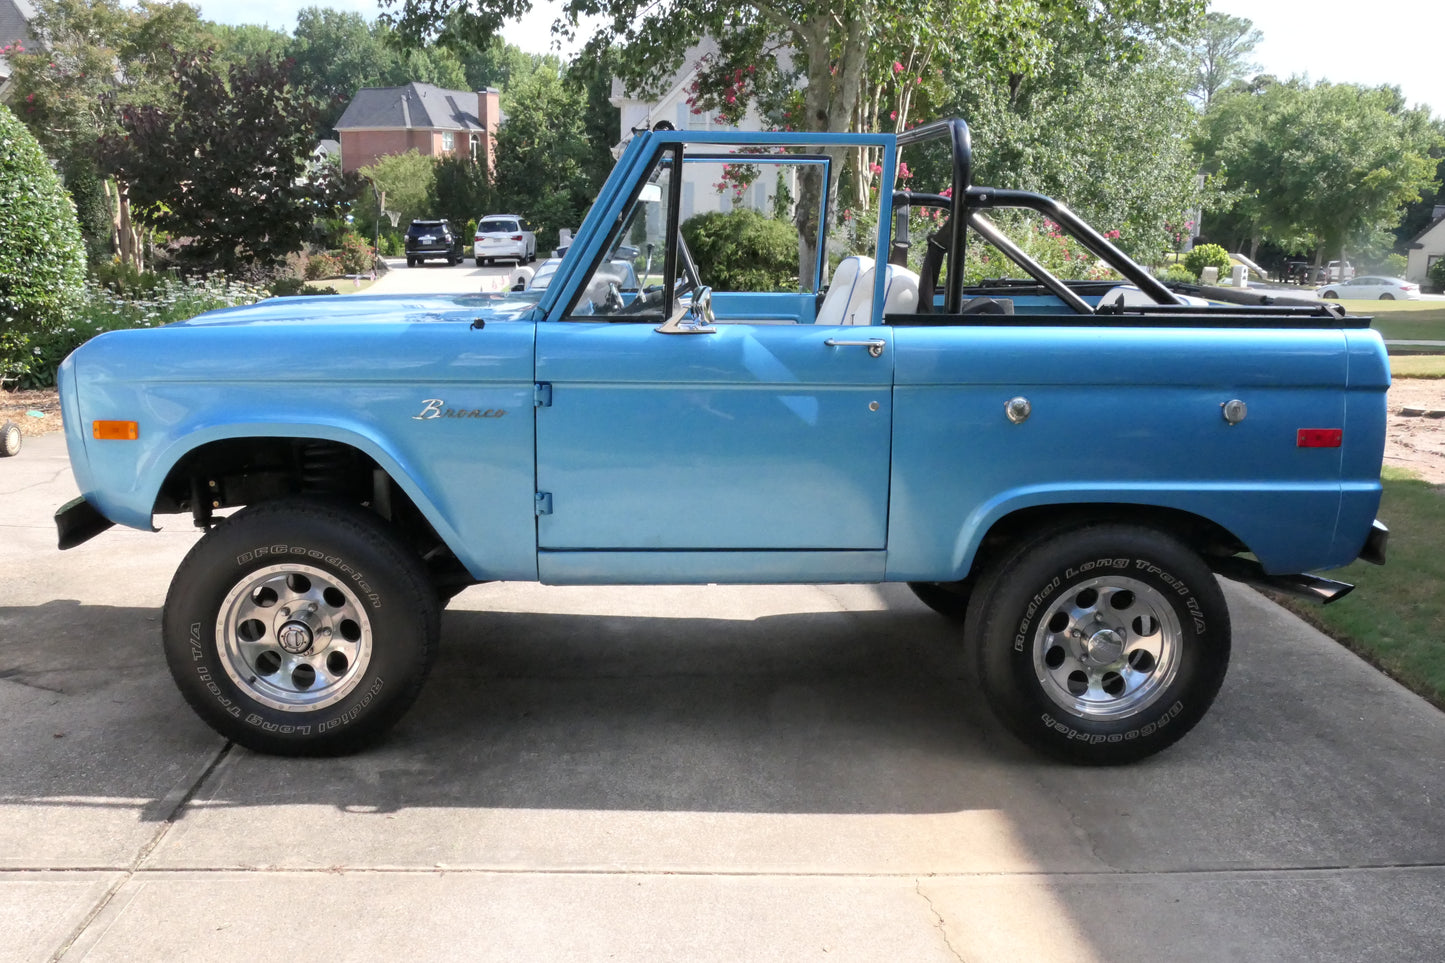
1417	365
341	285
1403	320
1395	618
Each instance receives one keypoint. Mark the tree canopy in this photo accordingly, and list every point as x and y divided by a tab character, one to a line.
1221	53
229	164
1321	167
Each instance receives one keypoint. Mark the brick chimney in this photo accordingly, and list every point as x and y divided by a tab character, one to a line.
489	112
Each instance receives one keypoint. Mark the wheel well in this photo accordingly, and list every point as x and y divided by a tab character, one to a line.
245	471
1202	535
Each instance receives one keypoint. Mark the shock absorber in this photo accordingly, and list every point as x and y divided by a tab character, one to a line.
324	468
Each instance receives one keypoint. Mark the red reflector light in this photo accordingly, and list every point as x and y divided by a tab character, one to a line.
1319	437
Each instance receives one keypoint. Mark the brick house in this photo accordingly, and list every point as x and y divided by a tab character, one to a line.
421	117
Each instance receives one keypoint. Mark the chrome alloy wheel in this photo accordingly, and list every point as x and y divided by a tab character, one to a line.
1107	648
294	637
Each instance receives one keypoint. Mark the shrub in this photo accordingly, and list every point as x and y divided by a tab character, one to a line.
1178	274
286	287
1208	255
743	251
98	310
320	266
42	258
1436	274
392	246
355	255
1395	265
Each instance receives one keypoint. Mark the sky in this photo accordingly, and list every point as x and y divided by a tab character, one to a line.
1393	42
1387	42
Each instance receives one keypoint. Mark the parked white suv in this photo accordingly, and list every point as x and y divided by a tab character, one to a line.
504	237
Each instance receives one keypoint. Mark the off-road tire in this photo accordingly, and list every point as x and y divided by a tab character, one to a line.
300	627
1101	644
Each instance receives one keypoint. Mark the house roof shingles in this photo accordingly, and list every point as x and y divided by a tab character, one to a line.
414	106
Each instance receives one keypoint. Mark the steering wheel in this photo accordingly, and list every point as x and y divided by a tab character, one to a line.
647	298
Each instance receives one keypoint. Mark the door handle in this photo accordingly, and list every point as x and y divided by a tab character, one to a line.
875	346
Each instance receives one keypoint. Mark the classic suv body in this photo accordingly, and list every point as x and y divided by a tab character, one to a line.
638	426
803	478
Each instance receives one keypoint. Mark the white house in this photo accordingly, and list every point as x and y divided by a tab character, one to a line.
1427	247
672	106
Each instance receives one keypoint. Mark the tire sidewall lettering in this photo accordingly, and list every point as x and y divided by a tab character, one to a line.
335	562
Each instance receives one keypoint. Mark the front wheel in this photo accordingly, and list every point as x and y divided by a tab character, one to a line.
1102	644
1329	294
300	627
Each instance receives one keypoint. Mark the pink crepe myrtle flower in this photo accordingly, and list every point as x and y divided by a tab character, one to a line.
897	67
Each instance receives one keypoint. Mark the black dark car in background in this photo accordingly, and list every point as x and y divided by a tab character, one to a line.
426	239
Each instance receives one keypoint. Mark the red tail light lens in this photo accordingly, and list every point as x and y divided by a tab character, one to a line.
516	237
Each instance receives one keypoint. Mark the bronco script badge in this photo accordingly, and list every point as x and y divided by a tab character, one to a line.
436	408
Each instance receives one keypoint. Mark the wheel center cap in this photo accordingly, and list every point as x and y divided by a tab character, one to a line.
1104	646
295	637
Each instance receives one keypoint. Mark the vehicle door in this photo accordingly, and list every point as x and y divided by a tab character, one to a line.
667	427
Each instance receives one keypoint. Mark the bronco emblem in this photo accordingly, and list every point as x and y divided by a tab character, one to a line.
436	408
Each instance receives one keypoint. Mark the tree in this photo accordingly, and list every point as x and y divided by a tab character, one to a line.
832	44
1221	54
96	55
42	263
1106	130
407	181
228	166
543	154
1324	167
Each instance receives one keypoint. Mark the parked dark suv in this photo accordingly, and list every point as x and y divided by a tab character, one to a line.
426	239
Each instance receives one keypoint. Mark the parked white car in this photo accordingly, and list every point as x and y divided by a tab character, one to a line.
504	237
1372	288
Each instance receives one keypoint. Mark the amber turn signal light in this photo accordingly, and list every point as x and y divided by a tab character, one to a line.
115	430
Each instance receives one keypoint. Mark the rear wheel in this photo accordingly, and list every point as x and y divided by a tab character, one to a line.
1387	297
411	262
1102	644
300	627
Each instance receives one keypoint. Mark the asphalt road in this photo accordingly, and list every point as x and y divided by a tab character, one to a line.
685	773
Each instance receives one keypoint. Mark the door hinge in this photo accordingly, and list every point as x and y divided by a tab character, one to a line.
544	503
541	395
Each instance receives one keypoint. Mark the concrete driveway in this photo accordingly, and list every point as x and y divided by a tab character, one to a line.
432	276
708	773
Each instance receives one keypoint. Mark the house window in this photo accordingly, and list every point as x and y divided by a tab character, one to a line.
448	141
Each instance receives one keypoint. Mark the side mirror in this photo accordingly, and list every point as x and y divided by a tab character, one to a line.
694	318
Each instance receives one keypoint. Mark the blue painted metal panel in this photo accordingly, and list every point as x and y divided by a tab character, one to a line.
752	437
373	386
791	307
723	568
1118	415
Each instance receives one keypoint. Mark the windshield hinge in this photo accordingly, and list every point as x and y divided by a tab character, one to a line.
544	503
541	395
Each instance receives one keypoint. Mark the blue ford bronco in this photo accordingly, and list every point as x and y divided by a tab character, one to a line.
1062	464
